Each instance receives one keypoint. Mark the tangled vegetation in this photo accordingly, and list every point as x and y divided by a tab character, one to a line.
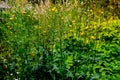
79	40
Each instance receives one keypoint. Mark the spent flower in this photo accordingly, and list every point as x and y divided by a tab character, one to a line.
81	33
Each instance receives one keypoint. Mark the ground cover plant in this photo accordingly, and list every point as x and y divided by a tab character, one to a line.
78	40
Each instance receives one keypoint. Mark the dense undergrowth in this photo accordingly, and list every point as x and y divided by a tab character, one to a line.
59	42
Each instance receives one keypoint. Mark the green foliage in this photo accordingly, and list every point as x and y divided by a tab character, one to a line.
62	42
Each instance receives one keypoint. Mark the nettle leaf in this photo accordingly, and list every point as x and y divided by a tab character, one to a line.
95	77
55	67
69	61
69	74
